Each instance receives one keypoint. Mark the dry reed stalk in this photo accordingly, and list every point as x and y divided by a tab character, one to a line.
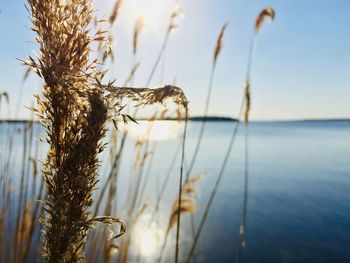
244	110
263	15
171	26
21	203
217	51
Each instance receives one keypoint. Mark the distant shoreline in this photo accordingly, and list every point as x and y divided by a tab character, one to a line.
210	119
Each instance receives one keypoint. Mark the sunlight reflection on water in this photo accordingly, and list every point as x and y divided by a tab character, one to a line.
148	237
153	130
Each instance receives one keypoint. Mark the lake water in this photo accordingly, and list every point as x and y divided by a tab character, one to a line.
298	194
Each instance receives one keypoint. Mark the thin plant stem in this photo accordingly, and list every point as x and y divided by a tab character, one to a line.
217	183
203	123
180	190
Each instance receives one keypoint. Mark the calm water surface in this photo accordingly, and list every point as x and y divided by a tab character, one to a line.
299	197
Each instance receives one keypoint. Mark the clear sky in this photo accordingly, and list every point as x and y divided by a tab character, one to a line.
301	63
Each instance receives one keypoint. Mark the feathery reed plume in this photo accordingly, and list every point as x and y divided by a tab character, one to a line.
265	13
106	46
74	111
147	96
219	42
137	29
185	204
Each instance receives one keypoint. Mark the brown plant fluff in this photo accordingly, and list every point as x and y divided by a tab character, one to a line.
185	203
73	112
219	42
265	13
147	96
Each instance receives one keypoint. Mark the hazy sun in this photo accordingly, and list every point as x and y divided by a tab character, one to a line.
148	238
155	13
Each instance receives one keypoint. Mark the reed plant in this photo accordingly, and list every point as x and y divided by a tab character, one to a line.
76	108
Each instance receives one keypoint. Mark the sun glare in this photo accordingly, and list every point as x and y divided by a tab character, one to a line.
148	243
148	238
154	12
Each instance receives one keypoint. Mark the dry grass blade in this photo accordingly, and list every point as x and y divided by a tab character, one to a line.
265	13
115	12
219	42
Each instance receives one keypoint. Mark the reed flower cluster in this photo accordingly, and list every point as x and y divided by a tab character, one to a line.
73	110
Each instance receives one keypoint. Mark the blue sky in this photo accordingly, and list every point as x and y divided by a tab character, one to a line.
301	63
